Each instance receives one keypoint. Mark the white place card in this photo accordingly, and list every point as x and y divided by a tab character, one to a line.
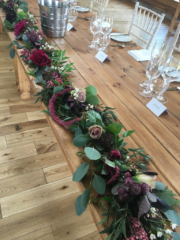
101	56
70	27
178	88
156	107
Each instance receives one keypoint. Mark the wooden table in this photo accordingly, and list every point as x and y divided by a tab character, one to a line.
117	84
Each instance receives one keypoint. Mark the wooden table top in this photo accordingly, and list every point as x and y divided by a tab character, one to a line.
117	83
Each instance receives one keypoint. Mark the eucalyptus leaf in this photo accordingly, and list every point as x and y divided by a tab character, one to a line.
57	89
9	46
80	172
78	131
110	163
144	206
151	197
78	207
92	99
173	216
166	198
160	204
160	186
176	236
104	171
92	153
99	184
85	198
92	116
115	188
80	140
12	53
91	90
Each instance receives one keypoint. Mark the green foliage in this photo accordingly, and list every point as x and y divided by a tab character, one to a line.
80	140
78	207
80	172
114	128
47	112
12	53
95	118
160	186
92	153
17	127
99	184
173	216
85	198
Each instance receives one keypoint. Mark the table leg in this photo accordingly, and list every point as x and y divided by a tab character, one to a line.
24	85
16	71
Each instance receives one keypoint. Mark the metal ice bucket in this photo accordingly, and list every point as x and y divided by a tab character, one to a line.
54	17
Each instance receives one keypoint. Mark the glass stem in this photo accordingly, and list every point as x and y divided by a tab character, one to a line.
149	85
94	37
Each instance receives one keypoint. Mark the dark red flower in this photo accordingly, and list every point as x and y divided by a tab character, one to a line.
135	189
127	174
20	27
40	58
145	188
123	194
115	154
128	181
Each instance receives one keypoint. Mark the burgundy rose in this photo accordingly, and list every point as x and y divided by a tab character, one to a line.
115	154
95	131
20	27
123	194
82	95
40	58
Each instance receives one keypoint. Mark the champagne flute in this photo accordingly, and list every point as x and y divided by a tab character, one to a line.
95	27
107	25
171	71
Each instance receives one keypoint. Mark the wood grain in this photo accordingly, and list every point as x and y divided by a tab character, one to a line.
36	115
13	119
23	201
46	145
3	143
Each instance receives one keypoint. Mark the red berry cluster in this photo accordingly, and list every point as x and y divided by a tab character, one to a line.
138	231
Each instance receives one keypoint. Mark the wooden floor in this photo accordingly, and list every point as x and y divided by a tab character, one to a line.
37	195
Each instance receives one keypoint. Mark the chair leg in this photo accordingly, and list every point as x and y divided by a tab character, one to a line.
24	85
174	18
1	26
16	71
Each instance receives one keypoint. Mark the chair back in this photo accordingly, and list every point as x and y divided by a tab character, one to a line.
100	3
147	21
175	39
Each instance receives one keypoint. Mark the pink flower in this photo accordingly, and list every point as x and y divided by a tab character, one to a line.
20	27
81	95
95	131
115	154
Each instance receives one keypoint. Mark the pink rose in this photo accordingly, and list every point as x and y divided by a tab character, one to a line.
115	154
81	95
95	131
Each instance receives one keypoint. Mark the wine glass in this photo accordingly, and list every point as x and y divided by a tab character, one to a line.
171	71
155	53
72	14
107	25
95	27
103	41
154	69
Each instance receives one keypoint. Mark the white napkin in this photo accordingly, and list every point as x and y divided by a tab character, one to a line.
140	55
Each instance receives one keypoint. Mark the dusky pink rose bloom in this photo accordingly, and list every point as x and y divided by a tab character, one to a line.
82	95
95	131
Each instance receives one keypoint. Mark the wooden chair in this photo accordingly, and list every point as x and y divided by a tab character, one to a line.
147	21
100	4
174	41
174	22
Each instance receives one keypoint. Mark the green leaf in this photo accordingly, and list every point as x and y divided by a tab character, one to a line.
80	140
104	171
80	172
124	229
85	198
91	90
99	184
166	198
39	79
57	89
12	53
23	7
9	46
78	131
103	220
22	14
160	186
46	111
118	231
110	163
78	207
107	230
16	43
128	133
92	99
109	237
114	128
173	216
92	153
93	116
144	206
24	38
